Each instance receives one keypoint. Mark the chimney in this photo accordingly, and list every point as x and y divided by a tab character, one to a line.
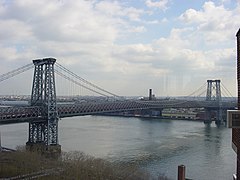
150	94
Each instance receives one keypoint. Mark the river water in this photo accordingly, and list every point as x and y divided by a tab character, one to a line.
157	146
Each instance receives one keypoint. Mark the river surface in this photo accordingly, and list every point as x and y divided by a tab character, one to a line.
157	146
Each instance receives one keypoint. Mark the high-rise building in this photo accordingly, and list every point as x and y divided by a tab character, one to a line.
236	131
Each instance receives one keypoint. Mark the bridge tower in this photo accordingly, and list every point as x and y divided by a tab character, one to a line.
214	95
43	134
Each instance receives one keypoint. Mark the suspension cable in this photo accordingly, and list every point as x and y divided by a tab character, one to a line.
15	72
85	81
201	93
200	88
226	90
77	83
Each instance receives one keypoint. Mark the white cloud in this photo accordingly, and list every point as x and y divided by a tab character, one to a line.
164	20
138	29
161	4
13	30
116	9
214	23
85	35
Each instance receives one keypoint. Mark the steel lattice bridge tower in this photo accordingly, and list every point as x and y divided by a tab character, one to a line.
214	95
43	133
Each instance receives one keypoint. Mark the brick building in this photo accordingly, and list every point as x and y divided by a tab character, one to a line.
236	131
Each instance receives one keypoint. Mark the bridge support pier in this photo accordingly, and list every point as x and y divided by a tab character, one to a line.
219	121
217	115
208	116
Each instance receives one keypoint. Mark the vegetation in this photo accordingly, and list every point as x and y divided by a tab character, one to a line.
74	165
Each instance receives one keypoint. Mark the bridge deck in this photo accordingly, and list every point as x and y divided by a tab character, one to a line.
35	113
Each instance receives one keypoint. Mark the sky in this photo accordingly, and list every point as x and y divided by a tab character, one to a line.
126	46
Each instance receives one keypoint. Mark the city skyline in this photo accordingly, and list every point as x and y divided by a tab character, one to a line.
127	46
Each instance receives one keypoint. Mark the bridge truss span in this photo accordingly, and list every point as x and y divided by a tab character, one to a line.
21	114
98	108
37	113
44	112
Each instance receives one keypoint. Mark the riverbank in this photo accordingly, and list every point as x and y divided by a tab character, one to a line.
73	165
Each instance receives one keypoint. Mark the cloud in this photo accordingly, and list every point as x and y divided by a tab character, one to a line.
214	23
13	30
92	38
138	29
80	34
116	9
161	4
59	25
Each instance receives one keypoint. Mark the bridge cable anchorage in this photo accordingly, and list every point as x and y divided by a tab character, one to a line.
15	72
84	81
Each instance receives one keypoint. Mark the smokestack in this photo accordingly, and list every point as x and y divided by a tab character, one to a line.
150	94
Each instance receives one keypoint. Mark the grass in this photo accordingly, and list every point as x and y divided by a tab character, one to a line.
73	165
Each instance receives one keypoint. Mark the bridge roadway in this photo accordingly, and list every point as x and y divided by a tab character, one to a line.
18	114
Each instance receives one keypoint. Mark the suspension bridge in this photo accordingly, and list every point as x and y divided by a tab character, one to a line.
44	110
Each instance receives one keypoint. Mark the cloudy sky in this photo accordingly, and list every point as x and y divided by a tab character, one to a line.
126	46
